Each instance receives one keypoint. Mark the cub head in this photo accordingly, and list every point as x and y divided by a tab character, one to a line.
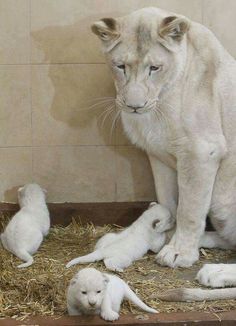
31	193
160	218
146	52
90	285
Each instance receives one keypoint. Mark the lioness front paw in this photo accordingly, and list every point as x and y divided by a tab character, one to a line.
169	256
110	315
217	275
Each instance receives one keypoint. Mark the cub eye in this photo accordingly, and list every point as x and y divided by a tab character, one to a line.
121	67
84	292
99	291
154	68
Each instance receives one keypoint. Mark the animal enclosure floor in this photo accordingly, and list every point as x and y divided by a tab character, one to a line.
40	289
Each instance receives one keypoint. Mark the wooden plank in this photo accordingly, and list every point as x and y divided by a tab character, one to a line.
98	213
122	213
162	319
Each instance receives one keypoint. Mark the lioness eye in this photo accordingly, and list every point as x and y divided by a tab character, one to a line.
154	68
99	291
121	67
84	292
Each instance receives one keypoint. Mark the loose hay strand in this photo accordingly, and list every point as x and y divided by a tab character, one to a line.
40	288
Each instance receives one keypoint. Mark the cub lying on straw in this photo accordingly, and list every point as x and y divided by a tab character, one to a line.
94	293
24	233
119	250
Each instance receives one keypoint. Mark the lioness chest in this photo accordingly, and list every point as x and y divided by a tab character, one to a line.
150	134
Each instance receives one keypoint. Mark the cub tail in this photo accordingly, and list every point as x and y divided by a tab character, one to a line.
198	294
24	255
90	258
130	295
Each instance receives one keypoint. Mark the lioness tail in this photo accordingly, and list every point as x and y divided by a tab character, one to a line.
198	294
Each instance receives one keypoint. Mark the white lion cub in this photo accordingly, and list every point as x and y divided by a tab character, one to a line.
119	250
24	233
94	293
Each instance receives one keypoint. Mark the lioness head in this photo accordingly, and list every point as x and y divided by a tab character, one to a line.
146	52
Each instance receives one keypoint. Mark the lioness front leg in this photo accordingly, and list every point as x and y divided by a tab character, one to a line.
165	179
197	168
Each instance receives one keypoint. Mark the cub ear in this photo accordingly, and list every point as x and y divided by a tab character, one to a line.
155	223
107	29
174	27
153	203
45	191
74	280
20	189
106	278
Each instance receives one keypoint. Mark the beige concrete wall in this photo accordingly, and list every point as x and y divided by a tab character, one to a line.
50	68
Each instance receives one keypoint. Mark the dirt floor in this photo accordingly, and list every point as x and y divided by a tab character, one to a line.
40	289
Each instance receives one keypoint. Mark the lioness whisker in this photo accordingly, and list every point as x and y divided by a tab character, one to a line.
108	113
107	109
96	105
102	98
162	116
113	123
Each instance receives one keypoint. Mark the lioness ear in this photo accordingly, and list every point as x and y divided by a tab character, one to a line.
107	29
174	27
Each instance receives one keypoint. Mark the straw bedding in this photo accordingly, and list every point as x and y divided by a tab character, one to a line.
40	289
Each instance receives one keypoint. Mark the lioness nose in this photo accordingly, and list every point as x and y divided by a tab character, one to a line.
135	95
136	107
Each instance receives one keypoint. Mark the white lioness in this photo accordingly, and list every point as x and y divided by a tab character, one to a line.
94	293
176	93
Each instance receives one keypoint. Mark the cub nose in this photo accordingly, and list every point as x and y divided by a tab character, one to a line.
92	303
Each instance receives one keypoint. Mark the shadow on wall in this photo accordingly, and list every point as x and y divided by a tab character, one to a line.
77	86
10	195
60	44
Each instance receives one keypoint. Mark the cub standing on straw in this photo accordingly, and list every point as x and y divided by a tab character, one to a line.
24	233
119	250
94	293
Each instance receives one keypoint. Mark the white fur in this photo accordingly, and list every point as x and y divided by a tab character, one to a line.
120	250
103	295
24	233
183	116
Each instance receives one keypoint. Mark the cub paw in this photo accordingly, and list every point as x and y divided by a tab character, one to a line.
110	315
112	266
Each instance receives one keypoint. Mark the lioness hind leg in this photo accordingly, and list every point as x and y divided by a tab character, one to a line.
217	275
224	221
223	204
213	240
